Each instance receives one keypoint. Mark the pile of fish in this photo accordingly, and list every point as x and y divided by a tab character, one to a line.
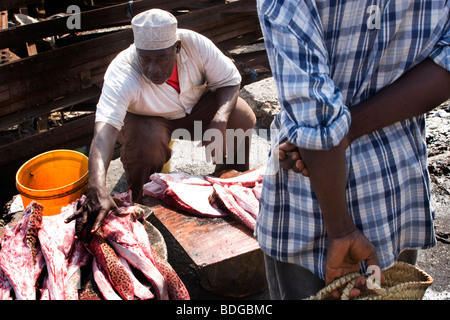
209	196
119	250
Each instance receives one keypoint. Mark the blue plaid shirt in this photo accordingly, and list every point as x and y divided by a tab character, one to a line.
327	56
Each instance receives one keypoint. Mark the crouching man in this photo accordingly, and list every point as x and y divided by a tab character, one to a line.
168	79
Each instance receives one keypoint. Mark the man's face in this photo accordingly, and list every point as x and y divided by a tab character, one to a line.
157	65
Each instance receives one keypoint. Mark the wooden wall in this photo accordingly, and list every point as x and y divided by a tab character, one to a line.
47	68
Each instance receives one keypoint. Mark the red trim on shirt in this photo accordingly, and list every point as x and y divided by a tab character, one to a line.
173	80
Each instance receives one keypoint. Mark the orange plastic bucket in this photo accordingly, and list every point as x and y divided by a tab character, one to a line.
54	179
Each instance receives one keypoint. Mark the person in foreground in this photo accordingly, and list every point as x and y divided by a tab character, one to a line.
347	184
169	79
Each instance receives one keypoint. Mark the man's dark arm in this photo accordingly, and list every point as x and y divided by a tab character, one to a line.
98	202
226	100
418	91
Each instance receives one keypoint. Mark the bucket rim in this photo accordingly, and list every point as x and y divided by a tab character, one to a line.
21	187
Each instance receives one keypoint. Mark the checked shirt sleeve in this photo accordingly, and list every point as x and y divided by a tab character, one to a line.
441	52
313	115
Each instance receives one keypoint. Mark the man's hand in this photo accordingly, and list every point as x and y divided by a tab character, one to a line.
216	130
98	202
94	210
289	158
343	257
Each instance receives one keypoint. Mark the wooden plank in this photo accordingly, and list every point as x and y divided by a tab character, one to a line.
66	57
6	55
34	81
234	30
50	75
89	20
48	69
11	4
70	135
194	235
224	252
67	101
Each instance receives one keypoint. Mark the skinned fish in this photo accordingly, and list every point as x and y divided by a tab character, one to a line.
248	179
109	264
118	231
209	196
140	291
21	258
79	257
176	287
183	191
245	198
103	284
56	239
225	200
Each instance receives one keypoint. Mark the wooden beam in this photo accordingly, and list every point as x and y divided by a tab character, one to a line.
56	105
5	55
72	134
90	20
35	80
52	80
12	4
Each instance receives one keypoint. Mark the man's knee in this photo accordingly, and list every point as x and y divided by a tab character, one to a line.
145	142
243	116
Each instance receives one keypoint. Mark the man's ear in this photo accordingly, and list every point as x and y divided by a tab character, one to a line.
178	46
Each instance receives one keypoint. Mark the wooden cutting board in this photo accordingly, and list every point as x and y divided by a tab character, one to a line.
224	256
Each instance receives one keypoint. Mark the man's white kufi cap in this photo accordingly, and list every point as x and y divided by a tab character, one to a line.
154	29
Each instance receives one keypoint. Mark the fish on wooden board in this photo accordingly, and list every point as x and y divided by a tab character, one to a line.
181	190
210	196
176	287
245	198
118	231
225	200
248	179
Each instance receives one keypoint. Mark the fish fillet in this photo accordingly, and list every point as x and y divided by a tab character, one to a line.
20	257
140	291
105	287
79	257
56	239
118	231
176	287
245	198
108	262
226	201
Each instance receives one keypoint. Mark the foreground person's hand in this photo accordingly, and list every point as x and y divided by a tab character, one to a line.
289	158
344	256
